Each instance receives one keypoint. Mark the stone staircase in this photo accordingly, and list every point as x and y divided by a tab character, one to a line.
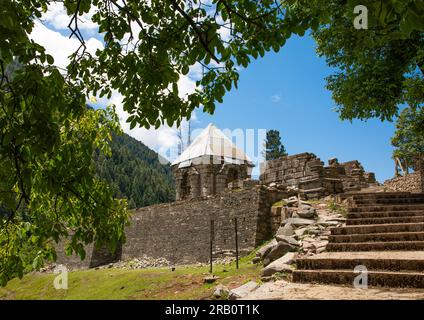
384	232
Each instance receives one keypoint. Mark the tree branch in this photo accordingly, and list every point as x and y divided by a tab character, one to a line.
195	28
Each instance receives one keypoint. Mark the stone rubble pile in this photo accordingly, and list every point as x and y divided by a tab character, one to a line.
48	268
224	260
407	183
143	263
138	263
303	232
274	186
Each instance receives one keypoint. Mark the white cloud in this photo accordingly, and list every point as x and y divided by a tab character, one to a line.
224	31
57	17
59	46
275	98
163	140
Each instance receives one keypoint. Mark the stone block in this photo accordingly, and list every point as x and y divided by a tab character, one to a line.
276	211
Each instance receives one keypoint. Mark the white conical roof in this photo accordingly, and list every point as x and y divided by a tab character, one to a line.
212	142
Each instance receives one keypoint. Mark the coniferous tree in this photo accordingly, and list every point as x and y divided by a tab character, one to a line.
274	149
135	173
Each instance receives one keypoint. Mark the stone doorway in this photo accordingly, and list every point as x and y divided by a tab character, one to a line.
232	175
185	186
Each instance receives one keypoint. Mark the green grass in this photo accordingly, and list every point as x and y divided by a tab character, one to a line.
279	203
332	205
186	282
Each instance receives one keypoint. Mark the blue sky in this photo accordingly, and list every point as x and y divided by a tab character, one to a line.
286	91
283	91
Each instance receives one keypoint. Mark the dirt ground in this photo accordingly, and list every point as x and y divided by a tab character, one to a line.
282	290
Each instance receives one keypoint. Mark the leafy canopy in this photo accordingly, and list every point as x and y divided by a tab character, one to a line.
47	137
150	44
409	136
375	69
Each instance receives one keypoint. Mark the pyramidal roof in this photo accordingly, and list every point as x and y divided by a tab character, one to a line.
212	142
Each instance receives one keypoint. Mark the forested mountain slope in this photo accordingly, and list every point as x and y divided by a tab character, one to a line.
134	171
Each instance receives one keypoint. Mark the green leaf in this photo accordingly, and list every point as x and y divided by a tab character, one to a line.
50	59
185	69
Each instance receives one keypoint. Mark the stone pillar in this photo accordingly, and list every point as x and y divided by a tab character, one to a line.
194	185
220	182
206	180
177	178
177	189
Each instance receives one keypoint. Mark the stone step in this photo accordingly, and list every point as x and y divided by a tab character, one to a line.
389	201
383	214
387	261
378	228
375	278
384	232
385	220
379	195
377	246
379	208
378	237
371	195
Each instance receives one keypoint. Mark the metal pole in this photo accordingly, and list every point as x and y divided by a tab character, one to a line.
211	245
236	236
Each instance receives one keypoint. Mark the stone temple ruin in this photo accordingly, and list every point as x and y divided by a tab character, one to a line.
213	184
208	165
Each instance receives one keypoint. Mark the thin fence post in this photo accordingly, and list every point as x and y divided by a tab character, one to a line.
211	245
236	236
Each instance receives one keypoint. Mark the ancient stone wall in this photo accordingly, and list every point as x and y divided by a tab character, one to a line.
290	169
306	173
180	231
352	174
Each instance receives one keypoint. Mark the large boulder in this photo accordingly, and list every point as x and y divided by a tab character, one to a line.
243	291
306	212
221	292
277	251
288	239
286	230
282	264
328	223
299	221
292	201
263	251
300	232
